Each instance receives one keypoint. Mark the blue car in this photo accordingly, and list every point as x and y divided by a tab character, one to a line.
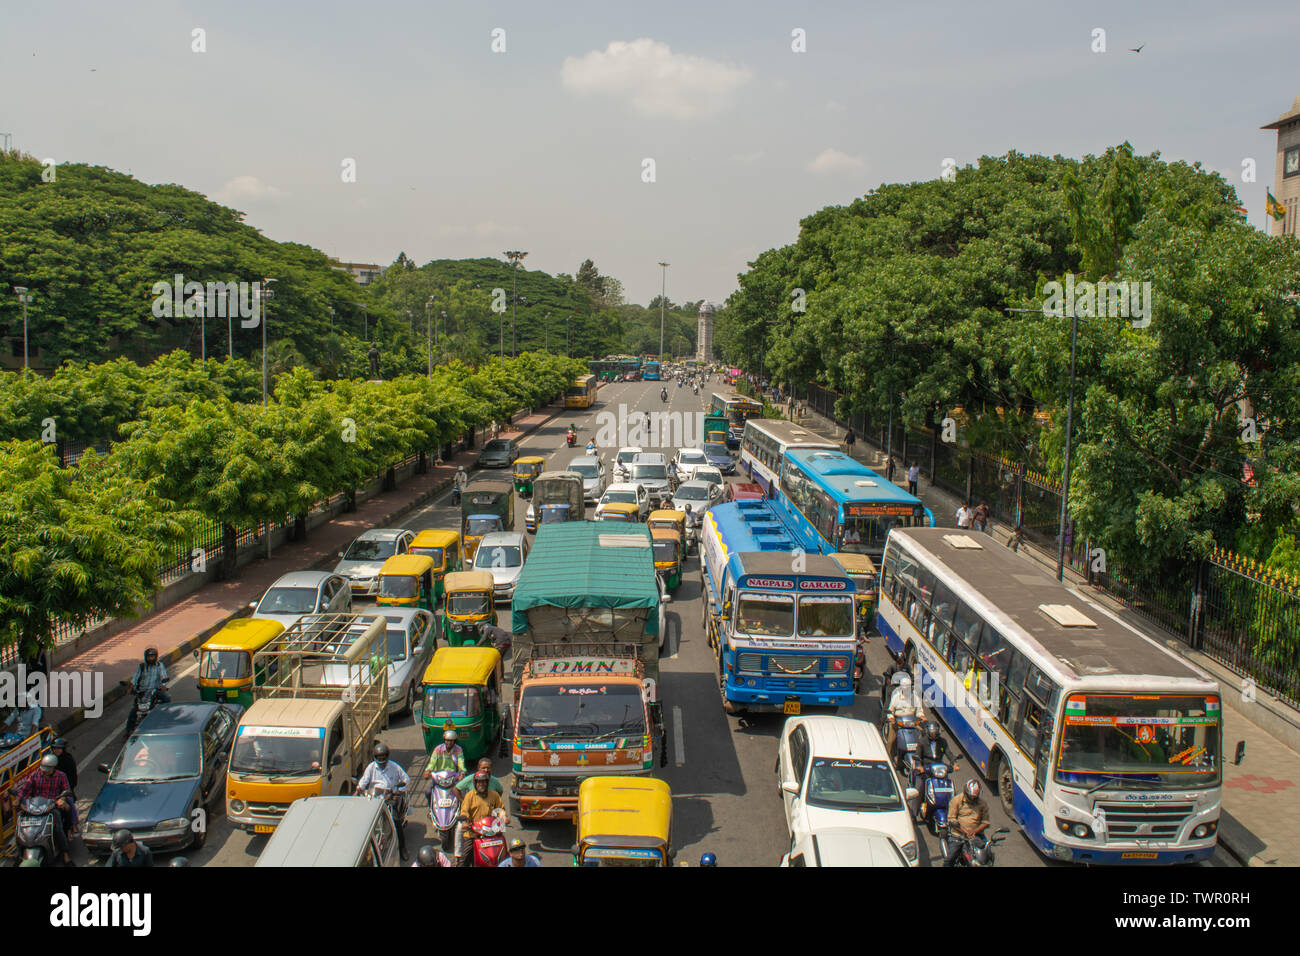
172	765
720	457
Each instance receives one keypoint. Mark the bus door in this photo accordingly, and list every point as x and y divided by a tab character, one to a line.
1036	723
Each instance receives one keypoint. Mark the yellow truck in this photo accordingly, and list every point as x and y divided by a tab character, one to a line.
313	722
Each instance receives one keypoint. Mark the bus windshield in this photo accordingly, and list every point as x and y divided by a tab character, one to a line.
826	617
1140	741
769	615
867	535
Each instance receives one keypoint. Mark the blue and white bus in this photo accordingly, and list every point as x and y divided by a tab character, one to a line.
782	638
650	371
833	503
1104	746
765	442
738	410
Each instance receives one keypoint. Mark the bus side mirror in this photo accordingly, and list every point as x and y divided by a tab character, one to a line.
1241	752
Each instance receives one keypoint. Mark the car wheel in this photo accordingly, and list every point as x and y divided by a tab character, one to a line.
410	699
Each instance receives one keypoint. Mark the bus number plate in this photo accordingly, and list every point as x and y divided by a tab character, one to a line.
791	707
1139	856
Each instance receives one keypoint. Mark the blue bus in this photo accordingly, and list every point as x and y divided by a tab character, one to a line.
781	625
649	371
832	503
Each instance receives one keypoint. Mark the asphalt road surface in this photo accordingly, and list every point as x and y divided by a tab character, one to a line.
720	769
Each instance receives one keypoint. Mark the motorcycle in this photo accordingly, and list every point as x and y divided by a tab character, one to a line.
663	395
488	844
34	831
697	390
907	741
859	663
932	778
593	450
145	701
976	850
571	438
444	807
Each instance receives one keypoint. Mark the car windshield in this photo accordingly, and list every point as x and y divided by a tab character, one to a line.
690	492
278	750
621	497
469	602
224	665
826	617
651	472
711	475
588	469
625	456
771	615
496	444
692	457
434	553
481	526
717	449
498	556
288	601
150	757
368	549
398	585
842	784
440	702
582	710
1140	741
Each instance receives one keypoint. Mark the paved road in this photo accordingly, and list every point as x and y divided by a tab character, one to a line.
720	769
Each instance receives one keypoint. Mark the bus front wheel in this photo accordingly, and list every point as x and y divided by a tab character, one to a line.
1006	781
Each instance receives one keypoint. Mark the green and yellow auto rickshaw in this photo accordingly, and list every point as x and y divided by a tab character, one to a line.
863	572
444	548
470	596
526	470
406	580
670	519
463	685
226	672
668	557
624	821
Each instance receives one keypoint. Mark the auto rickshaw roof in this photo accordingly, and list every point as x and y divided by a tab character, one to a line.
462	665
245	634
665	534
667	514
619	507
435	538
407	564
638	810
855	563
530	460
469	581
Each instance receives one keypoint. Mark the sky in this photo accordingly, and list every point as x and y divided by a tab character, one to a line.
463	151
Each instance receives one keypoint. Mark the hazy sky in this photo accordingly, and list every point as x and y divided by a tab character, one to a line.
463	152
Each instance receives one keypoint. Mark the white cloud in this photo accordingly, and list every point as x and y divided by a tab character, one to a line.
246	187
834	106
748	159
654	80
833	161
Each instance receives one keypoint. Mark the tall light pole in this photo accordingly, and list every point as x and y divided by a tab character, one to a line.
203	330
428	332
515	257
264	293
662	289
24	298
546	331
1065	478
230	324
444	326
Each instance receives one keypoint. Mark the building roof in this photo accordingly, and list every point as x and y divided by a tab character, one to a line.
1292	114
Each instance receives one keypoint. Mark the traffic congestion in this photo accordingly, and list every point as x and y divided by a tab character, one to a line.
659	630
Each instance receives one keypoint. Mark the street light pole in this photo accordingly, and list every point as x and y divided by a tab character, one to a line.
24	298
230	326
662	289
1065	478
203	330
428	332
264	293
515	256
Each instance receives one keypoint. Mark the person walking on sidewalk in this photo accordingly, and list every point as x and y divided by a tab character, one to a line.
849	440
889	469
981	517
964	517
913	476
1013	539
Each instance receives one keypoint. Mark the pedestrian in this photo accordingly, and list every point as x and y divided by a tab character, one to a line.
913	476
982	517
1013	539
889	468
68	765
849	440
963	517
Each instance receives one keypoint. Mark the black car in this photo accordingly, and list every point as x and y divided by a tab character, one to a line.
171	766
499	453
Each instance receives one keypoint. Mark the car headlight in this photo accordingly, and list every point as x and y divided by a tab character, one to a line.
455	625
97	829
175	823
909	850
236	806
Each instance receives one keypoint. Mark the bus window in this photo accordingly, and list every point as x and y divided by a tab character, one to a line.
959	656
945	605
939	637
967	626
1016	672
925	585
1031	715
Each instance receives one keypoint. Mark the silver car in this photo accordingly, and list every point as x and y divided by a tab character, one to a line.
592	470
410	637
650	470
364	557
700	495
503	554
303	592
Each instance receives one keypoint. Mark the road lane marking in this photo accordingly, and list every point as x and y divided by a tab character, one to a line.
679	742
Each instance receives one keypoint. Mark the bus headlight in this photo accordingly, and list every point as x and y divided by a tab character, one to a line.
1205	829
1080	831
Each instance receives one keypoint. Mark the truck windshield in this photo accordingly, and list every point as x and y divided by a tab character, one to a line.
826	617
277	750
1140	741
771	615
224	665
582	710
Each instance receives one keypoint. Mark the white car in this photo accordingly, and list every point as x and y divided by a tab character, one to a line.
592	470
409	641
700	495
630	493
303	592
651	470
710	474
502	554
833	773
623	461
687	460
361	562
844	846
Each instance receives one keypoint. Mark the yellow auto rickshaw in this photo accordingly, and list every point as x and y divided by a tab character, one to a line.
444	548
470	596
463	685
666	518
624	511
862	570
526	469
624	821
668	556
406	580
226	671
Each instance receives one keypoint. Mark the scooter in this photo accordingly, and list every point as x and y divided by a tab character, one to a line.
937	792
859	663
571	438
444	807
140	709
976	850
489	842
906	742
34	831
593	450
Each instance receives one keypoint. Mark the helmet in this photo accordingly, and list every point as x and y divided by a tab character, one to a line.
482	775
151	654
932	729
687	509
121	838
973	788
897	677
517	844
50	762
708	859
460	467
179	861
60	743
449	736
427	856
381	752
905	681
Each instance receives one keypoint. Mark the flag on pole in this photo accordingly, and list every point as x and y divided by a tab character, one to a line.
1274	208
1241	211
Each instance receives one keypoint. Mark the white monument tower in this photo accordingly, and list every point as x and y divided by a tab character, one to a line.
704	334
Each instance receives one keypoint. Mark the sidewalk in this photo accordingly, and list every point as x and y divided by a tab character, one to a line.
1253	827
179	629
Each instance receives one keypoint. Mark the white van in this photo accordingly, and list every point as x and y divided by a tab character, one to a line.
333	831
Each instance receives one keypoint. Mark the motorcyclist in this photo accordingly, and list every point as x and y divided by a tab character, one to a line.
462	479
571	436
150	678
968	815
446	756
480	802
708	859
663	394
52	783
431	856
128	853
591	446
935	749
384	774
904	702
467	783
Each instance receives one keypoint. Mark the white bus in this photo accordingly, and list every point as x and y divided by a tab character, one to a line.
1104	746
765	441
